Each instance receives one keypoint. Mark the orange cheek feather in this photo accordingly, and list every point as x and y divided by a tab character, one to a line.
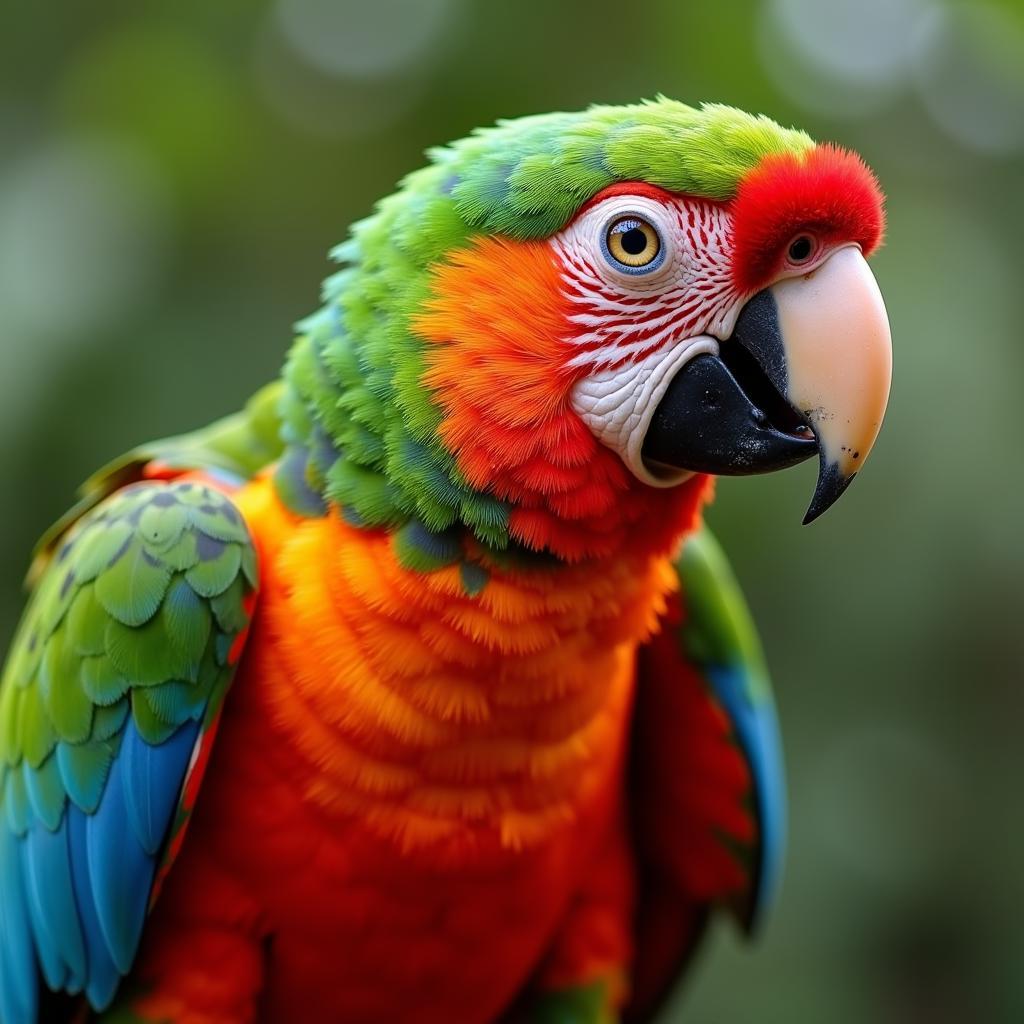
498	330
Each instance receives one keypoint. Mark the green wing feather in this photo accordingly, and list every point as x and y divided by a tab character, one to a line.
719	629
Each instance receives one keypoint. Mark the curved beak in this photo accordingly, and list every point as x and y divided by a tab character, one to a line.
806	370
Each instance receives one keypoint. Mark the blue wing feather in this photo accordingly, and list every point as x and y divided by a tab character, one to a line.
48	868
151	779
757	730
50	961
103	976
120	871
18	992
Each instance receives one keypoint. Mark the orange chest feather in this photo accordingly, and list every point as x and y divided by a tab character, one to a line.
435	718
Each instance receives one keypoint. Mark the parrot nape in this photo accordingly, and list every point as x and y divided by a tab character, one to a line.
481	724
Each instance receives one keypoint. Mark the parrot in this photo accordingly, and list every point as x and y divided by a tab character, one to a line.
418	690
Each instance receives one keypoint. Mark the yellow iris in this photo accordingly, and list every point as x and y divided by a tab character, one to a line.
633	242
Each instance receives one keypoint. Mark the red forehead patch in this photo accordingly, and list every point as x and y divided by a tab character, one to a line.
828	190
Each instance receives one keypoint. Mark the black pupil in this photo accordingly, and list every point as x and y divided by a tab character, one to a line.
800	249
633	241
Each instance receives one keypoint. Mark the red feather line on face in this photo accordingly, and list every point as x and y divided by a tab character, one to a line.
828	191
627	188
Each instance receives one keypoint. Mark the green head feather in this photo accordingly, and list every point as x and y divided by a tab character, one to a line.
360	425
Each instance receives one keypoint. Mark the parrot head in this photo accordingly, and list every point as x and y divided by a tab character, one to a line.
733	338
555	332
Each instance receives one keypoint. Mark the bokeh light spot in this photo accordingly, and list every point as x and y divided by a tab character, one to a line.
842	60
969	70
863	43
366	40
324	105
82	236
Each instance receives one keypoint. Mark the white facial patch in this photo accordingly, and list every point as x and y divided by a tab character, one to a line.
617	404
636	327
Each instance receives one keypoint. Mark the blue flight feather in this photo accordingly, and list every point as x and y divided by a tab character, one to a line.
19	983
104	977
152	777
757	728
48	883
120	871
50	960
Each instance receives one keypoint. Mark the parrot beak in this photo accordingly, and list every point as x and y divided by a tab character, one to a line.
807	369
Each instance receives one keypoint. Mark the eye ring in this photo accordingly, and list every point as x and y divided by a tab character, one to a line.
802	249
632	244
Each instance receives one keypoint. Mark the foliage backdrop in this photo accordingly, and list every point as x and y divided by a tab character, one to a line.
172	175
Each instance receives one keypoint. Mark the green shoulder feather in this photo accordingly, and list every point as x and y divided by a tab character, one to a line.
236	447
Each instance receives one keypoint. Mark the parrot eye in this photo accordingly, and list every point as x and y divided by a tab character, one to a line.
632	245
801	249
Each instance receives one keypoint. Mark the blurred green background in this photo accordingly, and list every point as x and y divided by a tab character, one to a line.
171	177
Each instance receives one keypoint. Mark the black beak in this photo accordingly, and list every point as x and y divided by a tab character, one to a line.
726	414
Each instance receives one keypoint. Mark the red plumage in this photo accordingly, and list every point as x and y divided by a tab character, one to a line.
828	191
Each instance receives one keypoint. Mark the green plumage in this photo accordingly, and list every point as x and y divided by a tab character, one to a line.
135	614
239	446
360	426
719	629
